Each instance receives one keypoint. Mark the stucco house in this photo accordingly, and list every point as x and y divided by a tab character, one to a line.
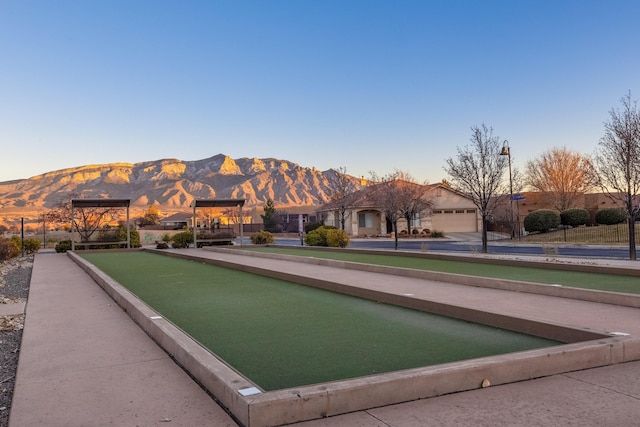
178	220
452	212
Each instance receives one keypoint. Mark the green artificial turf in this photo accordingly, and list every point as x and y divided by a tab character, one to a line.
604	282
280	334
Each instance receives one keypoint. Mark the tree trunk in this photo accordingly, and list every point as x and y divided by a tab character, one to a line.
632	239
395	229
484	235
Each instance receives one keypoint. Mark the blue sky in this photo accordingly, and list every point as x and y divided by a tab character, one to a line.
369	85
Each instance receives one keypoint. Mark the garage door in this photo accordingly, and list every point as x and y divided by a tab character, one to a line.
454	220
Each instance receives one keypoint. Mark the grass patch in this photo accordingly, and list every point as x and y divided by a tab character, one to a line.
604	282
281	334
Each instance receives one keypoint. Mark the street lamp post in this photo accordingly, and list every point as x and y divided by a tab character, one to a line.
506	151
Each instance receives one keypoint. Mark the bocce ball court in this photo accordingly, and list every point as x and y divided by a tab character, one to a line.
275	351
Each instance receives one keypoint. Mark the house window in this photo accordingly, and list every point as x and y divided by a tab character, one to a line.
415	220
365	220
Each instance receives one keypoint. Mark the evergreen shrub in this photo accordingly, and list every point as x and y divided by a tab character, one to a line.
309	227
31	246
337	238
610	216
182	240
63	246
318	237
262	237
574	217
541	220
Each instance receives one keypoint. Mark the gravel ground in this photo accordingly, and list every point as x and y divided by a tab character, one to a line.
15	277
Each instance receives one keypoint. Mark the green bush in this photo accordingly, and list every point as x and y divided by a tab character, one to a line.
309	227
17	245
135	238
337	238
262	237
12	247
8	249
182	240
318	237
574	217
610	216
31	246
16	241
436	233
541	220
63	246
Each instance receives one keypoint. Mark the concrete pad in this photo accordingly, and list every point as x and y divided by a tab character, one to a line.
356	419
585	398
550	401
623	378
129	394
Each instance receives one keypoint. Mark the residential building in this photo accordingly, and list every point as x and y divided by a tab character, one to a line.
451	211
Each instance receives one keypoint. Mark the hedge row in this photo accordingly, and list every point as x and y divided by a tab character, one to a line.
544	220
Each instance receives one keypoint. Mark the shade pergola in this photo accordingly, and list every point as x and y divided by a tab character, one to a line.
215	203
100	203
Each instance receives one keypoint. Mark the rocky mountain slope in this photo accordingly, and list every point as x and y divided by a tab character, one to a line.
173	183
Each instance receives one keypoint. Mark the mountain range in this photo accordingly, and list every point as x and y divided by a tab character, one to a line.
172	184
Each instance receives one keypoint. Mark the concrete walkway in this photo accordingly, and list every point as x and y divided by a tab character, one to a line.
83	362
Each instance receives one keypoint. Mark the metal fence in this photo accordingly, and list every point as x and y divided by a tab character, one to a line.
618	233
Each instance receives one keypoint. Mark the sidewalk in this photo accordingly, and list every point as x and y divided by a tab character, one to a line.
85	363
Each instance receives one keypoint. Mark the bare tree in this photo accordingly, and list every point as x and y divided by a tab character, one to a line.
151	216
341	186
616	163
478	171
86	221
413	198
385	194
562	175
232	214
